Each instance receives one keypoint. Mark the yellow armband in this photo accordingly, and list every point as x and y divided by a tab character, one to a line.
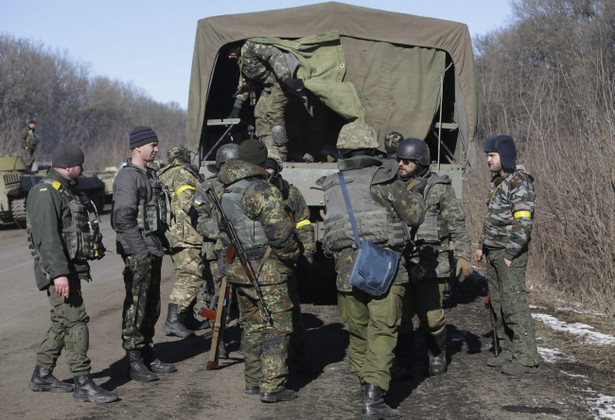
522	213
184	188
303	223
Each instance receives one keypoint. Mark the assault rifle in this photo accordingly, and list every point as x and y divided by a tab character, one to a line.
496	343
236	249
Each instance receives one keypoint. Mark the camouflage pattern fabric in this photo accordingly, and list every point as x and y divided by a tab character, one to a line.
189	273
514	323
357	135
68	331
391	140
301	215
179	153
29	141
207	220
142	302
265	346
510	210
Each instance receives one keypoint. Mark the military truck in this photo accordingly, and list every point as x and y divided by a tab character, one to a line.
403	73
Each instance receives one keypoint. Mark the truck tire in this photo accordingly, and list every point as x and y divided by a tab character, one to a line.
18	210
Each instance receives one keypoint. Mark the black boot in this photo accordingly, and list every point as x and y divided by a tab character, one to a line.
151	360
374	407
87	390
173	324
436	348
136	368
43	380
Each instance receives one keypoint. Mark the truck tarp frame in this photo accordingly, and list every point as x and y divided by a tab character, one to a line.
352	22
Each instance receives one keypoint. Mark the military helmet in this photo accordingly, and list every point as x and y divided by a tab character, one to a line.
180	153
357	135
415	150
391	141
226	152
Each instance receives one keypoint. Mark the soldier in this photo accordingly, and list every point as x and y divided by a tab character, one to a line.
504	247
181	178
265	65
62	239
380	206
429	259
391	141
29	140
256	210
298	210
139	217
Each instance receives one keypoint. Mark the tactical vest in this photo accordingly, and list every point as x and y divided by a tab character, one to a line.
249	231
154	216
433	230
82	236
373	220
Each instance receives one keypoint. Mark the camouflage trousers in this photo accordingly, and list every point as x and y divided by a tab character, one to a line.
373	324
514	323
189	273
424	298
265	346
142	301
69	331
269	109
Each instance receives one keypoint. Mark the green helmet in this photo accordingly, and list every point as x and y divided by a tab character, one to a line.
180	153
357	135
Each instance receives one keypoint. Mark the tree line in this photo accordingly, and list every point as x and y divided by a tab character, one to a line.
68	104
548	79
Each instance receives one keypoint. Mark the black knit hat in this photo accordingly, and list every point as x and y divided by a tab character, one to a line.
253	151
505	146
142	135
66	155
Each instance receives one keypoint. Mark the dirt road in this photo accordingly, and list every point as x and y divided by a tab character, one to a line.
574	382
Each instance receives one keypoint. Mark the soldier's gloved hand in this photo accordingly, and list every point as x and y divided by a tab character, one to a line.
420	187
234	113
464	269
309	257
294	86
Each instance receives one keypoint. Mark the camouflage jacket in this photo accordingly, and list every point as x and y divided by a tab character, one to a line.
400	203
262	64
208	219
262	202
182	181
444	211
510	211
28	137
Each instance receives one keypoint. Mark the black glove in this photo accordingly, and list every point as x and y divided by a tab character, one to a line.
234	113
294	86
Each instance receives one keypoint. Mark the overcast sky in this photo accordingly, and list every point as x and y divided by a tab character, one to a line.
149	43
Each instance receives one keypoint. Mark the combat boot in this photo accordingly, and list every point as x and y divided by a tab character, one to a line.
136	368
173	324
374	407
43	380
436	348
87	390
151	360
282	395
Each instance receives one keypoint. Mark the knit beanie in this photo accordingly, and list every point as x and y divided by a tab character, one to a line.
142	135
66	155
253	151
505	146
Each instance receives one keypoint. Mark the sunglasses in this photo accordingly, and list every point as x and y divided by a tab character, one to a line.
404	161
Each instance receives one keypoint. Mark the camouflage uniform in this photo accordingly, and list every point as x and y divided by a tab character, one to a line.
506	234
372	320
182	180
265	345
29	140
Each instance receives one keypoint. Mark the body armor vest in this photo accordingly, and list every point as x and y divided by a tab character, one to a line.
249	231
433	230
82	236
373	221
154	216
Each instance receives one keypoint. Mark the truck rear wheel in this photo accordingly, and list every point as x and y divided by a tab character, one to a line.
18	210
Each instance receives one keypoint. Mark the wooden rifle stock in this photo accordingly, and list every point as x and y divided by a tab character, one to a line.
219	326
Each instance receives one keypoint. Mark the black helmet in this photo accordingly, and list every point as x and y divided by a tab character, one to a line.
415	150
226	152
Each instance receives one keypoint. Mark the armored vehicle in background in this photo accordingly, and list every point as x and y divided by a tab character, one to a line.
398	72
12	197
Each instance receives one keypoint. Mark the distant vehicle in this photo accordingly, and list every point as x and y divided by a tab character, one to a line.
409	74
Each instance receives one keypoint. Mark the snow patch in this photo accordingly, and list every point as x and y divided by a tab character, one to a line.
577	328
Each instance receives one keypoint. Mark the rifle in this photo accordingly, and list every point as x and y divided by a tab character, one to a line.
236	249
496	344
219	325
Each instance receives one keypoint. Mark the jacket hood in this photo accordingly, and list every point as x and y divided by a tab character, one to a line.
234	170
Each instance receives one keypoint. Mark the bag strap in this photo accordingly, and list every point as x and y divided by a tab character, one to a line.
340	175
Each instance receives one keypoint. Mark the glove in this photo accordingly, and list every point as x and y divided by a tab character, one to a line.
294	86
419	187
309	257
234	113
464	269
